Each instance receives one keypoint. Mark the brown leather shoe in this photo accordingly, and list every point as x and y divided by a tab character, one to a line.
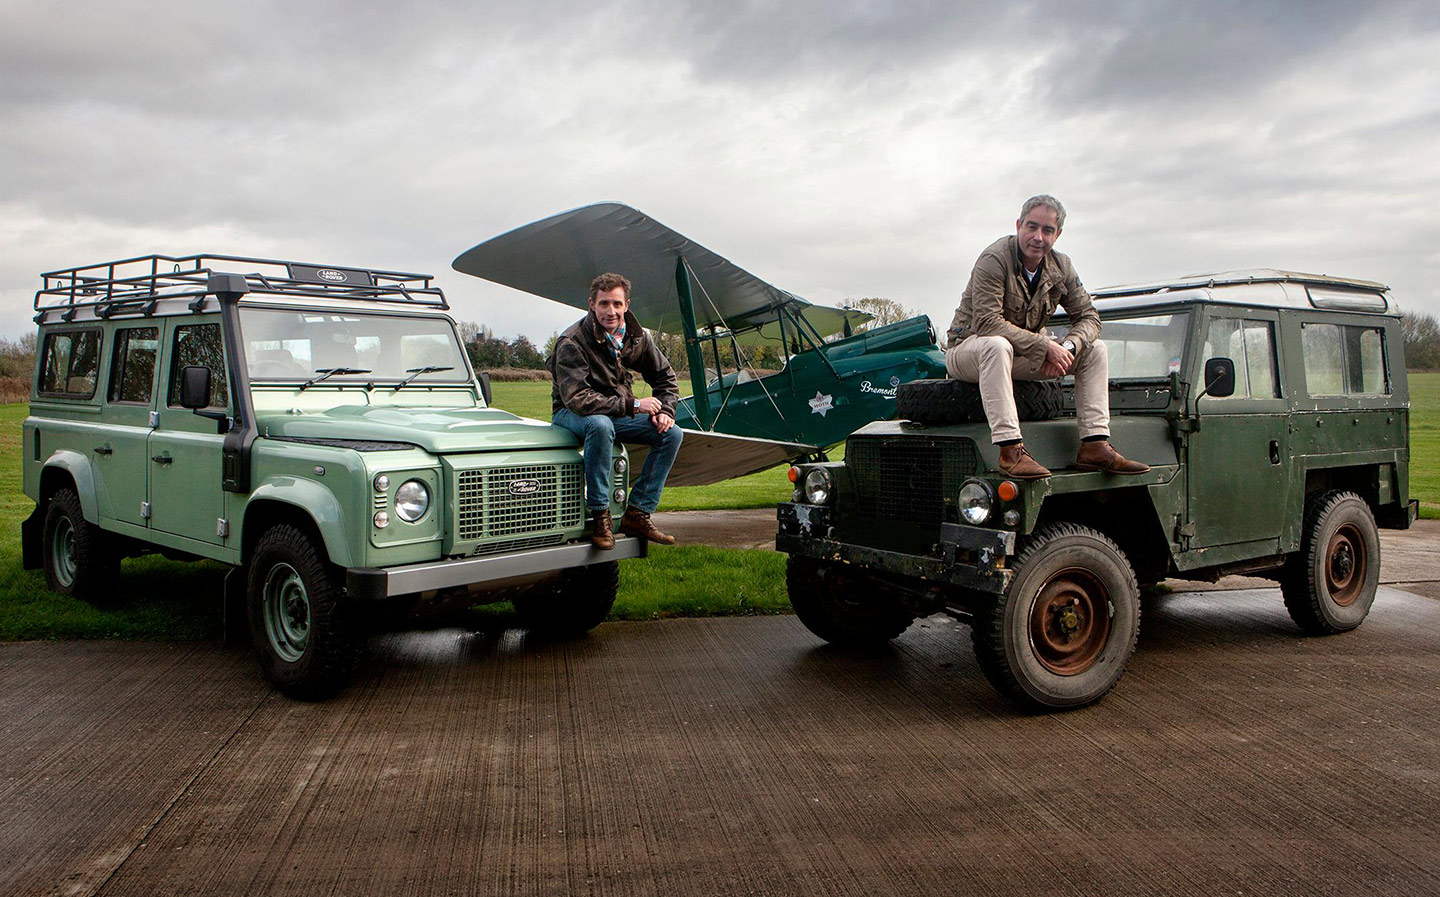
603	536
637	523
1101	455
1016	462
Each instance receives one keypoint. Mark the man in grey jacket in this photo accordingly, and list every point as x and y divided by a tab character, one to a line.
592	370
998	335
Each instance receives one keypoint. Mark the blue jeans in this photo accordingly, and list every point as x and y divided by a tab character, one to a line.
600	432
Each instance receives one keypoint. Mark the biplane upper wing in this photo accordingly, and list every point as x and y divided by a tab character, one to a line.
558	256
707	457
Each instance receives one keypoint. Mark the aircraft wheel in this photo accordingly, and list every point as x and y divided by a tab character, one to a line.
840	606
579	602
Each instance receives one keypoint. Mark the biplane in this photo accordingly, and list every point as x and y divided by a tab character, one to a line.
835	376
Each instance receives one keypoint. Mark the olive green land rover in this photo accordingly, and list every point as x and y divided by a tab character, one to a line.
1273	411
317	428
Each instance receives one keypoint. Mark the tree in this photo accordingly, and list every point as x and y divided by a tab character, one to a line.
1422	340
886	311
523	354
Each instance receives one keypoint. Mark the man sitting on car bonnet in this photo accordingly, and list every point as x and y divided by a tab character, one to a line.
998	336
591	397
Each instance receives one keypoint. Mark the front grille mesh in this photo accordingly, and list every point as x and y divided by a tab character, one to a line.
911	479
497	502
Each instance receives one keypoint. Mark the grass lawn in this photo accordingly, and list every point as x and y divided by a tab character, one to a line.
1425	442
162	599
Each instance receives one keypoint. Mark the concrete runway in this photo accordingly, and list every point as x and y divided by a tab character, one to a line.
734	756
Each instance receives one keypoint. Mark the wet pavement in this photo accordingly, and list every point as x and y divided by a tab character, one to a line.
738	756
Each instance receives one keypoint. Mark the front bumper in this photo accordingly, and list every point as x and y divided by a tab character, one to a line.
968	556
384	582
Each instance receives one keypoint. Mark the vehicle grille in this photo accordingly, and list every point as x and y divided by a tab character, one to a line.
912	479
498	502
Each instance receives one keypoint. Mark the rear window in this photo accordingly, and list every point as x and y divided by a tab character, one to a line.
72	361
1344	360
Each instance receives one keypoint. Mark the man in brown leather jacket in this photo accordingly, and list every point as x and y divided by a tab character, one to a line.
998	335
592	369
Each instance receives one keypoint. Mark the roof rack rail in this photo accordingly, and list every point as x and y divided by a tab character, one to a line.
135	285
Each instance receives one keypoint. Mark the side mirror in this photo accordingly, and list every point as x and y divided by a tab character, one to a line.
1219	377
485	388
194	386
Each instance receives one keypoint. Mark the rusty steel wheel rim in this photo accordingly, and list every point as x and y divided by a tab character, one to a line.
1345	562
1070	622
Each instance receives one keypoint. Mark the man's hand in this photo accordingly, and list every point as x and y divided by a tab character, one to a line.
662	421
1057	361
649	405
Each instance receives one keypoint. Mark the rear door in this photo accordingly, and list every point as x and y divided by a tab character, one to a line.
122	462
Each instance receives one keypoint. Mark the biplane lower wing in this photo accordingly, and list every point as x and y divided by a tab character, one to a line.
707	458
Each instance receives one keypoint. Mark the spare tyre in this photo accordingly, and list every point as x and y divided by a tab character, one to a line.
958	401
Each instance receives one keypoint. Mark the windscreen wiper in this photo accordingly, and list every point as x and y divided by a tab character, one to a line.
330	372
415	372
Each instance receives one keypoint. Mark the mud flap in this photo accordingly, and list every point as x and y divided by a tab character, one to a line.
234	625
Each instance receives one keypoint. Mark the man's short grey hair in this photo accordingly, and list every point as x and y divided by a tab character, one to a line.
1049	202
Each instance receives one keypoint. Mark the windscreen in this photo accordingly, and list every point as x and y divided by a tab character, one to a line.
301	345
1144	348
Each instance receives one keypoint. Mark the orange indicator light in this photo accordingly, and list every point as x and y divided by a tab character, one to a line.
1007	491
794	474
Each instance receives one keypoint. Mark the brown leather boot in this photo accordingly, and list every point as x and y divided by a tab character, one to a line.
1016	462
1101	455
603	536
638	524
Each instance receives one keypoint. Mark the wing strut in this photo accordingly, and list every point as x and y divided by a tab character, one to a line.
693	352
739	355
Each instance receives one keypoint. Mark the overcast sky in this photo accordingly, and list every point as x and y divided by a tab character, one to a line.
836	149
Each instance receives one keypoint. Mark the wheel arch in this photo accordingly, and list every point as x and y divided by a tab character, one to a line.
1126	515
300	503
62	470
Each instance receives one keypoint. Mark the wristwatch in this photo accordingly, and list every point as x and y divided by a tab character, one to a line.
1069	346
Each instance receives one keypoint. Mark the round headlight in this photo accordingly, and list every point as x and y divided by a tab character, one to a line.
976	500
818	486
412	500
382	483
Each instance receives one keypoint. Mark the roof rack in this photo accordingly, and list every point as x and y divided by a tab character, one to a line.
135	285
1230	278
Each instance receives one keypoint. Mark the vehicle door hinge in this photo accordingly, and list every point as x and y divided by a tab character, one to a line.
154	419
145	510
222	527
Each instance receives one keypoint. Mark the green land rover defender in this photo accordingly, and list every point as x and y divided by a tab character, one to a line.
319	429
1273	411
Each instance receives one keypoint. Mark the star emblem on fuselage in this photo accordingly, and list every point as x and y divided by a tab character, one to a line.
821	403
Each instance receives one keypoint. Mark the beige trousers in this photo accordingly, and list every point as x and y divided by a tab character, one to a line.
990	361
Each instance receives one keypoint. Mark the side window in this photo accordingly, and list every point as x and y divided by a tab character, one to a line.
1341	361
199	344
72	362
1251	345
132	370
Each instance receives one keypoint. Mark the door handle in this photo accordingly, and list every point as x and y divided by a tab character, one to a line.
162	458
104	450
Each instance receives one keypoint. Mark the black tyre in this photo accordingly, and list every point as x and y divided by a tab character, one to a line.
958	401
579	602
79	559
1063	633
1329	585
304	634
842	607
